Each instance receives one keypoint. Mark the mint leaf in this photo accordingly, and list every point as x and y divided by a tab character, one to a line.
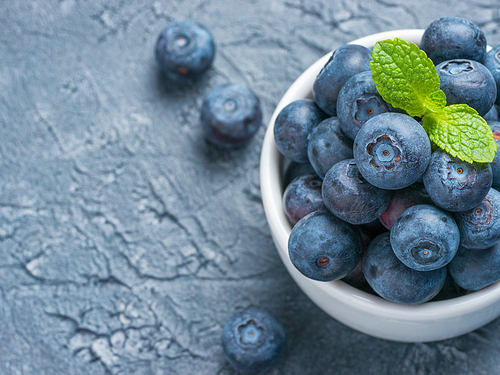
405	76
436	101
461	132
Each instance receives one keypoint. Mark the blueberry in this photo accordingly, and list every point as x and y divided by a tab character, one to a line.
492	114
350	197
425	238
467	82
476	269
454	38
456	185
480	226
449	290
345	62
231	115
401	200
184	50
396	282
374	227
302	197
356	277
358	102
327	146
493	64
253	341
392	151
293	126
495	164
295	170
323	247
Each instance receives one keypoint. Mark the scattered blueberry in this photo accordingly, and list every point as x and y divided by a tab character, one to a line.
345	62
396	282
493	64
231	115
253	341
401	200
323	247
184	50
350	197
453	38
327	146
456	185
303	196
476	269
293	126
359	101
480	226
467	82
425	238
392	151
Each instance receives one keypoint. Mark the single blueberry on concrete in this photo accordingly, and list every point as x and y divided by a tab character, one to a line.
480	226
425	238
294	170
394	281
327	146
495	164
467	82
359	101
184	50
231	115
293	126
350	197
476	269
253	341
392	151
345	62
493	64
453	38
323	247
401	200
303	196
454	184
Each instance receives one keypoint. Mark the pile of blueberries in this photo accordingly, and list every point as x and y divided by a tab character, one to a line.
253	340
371	200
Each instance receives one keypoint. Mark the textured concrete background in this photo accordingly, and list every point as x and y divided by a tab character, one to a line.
126	242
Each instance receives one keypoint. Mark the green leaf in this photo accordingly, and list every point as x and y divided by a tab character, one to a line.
436	101
406	77
461	132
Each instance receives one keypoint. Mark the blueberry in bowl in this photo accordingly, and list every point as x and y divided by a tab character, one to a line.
365	312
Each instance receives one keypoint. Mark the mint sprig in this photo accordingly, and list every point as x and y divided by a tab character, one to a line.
407	79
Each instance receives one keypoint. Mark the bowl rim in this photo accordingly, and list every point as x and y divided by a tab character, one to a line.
271	173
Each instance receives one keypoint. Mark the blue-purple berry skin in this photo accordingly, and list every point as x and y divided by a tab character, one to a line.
492	114
293	126
449	290
392	151
425	238
253	341
327	146
230	115
480	226
323	247
303	196
359	101
350	197
184	50
394	281
345	62
453	38
454	184
467	82
476	269
493	64
495	164
294	170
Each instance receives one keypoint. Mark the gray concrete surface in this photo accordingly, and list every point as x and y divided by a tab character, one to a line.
126	241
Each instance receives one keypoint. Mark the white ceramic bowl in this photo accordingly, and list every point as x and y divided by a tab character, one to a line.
359	310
